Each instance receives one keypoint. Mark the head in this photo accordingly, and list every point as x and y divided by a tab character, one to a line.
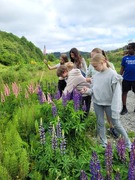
63	59
99	62
62	71
75	57
131	48
98	51
69	65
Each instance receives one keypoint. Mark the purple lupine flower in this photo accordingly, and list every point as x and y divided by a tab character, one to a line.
76	99
50	129
6	90
131	168
57	95
121	148
108	160
42	133
54	110
54	139
117	176
58	129
63	144
83	175
95	167
64	100
40	95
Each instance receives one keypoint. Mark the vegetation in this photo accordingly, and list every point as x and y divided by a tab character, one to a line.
41	137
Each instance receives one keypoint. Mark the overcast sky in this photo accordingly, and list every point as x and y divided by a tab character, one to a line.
63	24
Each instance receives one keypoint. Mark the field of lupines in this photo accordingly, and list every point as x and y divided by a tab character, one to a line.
43	137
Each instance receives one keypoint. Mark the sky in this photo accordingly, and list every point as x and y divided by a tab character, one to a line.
63	24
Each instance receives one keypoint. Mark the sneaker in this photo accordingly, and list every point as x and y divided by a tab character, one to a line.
124	111
114	133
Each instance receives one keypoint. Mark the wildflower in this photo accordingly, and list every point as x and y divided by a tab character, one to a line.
108	160
49	99
83	175
58	129
57	95
117	176
31	88
76	99
50	128
26	94
64	100
15	89
95	167
63	144
54	110
41	95
54	139
6	90
42	133
121	148
131	168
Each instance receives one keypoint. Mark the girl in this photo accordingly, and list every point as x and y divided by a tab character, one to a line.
78	61
90	72
61	82
106	96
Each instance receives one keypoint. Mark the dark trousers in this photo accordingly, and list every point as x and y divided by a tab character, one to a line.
87	101
61	86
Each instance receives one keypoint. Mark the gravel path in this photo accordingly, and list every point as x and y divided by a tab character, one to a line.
128	120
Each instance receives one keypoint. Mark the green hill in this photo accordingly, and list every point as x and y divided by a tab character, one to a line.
15	50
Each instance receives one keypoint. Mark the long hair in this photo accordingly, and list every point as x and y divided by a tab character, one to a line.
77	60
65	58
100	51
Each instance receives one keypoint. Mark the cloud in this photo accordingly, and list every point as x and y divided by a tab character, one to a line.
62	24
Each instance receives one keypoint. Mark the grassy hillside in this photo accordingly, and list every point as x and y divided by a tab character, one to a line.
15	50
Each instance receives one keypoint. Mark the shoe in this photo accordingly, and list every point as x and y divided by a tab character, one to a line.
114	133
124	111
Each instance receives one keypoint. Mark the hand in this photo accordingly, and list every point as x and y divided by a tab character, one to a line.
45	61
84	89
88	79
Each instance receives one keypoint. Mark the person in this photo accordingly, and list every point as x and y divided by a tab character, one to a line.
90	72
61	81
128	72
107	98
75	80
78	60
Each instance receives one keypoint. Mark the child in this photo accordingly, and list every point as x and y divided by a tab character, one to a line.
61	82
90	72
106	96
78	61
75	80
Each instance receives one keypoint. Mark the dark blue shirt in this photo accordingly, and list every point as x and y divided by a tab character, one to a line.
128	62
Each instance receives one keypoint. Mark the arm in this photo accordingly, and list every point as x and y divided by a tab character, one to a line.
121	70
50	67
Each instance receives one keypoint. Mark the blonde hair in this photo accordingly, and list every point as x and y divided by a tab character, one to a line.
69	65
99	58
100	51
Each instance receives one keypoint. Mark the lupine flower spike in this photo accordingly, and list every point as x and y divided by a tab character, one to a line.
83	175
63	144
54	139
95	167
121	148
108	160
42	133
131	168
58	129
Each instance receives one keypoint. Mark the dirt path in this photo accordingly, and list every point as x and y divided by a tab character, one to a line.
128	120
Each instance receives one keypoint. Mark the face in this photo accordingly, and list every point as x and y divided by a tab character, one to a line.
72	55
61	60
98	67
65	74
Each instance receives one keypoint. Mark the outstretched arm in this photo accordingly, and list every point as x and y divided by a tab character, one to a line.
50	67
121	70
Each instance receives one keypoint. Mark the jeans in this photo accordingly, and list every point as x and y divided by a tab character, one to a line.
101	130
